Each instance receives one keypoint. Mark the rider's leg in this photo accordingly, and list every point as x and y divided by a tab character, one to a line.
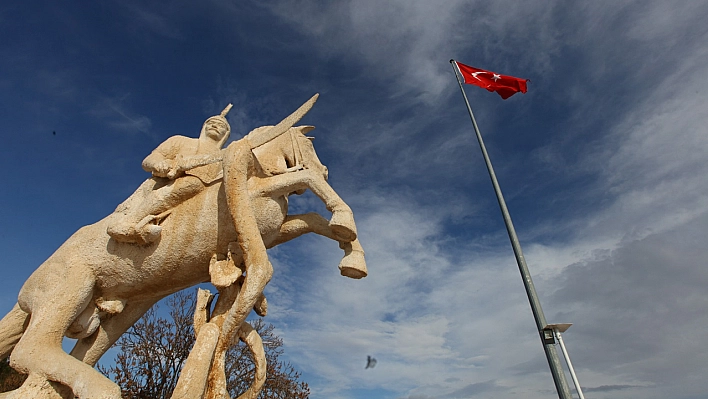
135	225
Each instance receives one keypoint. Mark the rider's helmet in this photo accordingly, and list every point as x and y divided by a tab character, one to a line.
221	118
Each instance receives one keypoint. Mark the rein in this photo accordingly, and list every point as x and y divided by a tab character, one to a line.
297	151
297	154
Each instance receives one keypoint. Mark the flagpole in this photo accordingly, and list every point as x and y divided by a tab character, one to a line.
545	334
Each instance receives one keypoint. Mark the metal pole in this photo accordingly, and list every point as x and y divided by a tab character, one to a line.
559	338
548	345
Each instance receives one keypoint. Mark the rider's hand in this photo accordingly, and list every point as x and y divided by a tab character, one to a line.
162	168
178	166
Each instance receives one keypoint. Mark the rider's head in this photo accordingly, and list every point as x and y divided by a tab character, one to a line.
217	128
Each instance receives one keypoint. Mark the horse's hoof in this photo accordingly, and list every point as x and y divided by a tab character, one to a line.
342	225
353	265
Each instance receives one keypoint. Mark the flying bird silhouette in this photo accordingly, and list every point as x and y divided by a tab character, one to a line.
370	362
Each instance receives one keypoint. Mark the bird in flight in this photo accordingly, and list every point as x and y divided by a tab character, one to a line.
370	362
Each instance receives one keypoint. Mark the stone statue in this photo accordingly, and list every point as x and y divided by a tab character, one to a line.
207	214
188	165
204	374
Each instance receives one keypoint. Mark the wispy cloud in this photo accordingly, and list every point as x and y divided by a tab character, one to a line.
154	19
608	388
466	313
116	113
602	162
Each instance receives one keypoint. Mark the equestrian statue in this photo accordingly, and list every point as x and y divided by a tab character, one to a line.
207	214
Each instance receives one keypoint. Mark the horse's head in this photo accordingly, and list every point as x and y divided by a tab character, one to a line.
289	152
304	152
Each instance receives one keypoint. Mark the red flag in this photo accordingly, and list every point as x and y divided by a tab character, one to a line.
505	85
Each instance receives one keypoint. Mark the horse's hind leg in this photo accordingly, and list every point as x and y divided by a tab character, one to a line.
37	387
90	349
12	326
39	350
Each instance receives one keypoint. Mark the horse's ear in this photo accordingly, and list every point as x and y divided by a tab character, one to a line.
305	129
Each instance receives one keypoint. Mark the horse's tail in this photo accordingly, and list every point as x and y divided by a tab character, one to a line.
12	326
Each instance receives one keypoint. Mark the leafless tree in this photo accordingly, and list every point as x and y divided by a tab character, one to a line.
9	378
154	350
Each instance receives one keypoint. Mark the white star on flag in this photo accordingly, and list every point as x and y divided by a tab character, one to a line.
504	85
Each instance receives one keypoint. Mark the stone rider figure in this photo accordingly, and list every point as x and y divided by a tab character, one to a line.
181	168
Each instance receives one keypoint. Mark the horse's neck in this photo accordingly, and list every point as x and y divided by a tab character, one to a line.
273	157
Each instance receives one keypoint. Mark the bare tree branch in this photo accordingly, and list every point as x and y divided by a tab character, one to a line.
154	350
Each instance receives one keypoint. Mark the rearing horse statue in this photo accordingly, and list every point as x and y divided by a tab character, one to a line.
94	288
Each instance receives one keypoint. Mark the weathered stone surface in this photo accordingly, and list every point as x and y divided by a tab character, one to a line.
206	214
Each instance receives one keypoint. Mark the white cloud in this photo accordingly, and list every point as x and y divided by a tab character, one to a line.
467	324
159	20
624	85
393	40
115	113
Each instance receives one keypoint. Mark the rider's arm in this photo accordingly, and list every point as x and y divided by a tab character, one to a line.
161	160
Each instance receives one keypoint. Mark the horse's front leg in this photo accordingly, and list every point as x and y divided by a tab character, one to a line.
353	264
342	221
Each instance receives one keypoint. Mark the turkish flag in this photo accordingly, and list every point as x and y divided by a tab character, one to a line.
505	85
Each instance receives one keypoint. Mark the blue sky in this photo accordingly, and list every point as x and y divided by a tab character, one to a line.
602	163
